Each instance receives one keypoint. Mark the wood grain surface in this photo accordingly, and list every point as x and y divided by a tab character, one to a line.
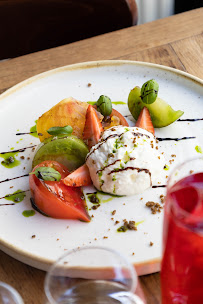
175	41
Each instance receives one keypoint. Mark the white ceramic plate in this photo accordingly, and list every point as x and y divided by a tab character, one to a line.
23	104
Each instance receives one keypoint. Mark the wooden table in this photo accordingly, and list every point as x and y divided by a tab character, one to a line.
175	41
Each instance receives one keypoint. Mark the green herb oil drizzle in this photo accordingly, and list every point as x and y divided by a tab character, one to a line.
33	130
16	197
9	160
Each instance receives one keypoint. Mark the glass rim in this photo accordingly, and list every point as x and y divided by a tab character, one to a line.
16	296
183	212
128	264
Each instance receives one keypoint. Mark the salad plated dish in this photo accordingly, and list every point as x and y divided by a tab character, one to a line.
85	158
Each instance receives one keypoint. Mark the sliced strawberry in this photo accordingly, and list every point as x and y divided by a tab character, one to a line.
144	121
78	178
93	128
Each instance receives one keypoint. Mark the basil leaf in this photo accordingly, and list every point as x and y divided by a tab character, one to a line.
60	130
47	174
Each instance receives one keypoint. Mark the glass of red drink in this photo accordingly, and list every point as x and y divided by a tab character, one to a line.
182	262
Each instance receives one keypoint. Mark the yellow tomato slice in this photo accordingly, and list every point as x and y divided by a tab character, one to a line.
69	111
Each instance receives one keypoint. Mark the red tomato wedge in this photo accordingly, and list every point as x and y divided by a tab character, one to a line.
122	120
93	128
144	121
79	177
55	199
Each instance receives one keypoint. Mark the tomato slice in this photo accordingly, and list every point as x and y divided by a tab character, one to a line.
55	199
123	121
121	118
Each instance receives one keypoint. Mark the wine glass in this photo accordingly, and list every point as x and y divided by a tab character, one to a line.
92	275
8	295
182	263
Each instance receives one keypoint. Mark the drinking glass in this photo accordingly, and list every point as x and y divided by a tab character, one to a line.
92	275
182	263
8	295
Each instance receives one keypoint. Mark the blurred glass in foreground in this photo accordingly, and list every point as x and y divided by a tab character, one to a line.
182	263
8	295
92	275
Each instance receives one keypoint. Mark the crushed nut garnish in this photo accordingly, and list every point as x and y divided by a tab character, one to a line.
127	226
155	207
95	206
162	197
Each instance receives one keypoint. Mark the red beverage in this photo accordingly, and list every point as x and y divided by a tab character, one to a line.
182	263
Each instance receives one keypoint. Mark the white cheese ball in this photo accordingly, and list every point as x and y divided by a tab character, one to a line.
125	161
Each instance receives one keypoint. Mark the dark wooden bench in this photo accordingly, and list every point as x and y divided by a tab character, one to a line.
33	25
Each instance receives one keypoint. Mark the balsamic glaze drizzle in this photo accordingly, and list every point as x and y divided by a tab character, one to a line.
190	119
114	135
34	132
159	186
7	204
13	194
175	138
24	133
19	150
9	179
132	168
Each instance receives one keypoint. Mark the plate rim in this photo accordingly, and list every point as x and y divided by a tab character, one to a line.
45	263
94	64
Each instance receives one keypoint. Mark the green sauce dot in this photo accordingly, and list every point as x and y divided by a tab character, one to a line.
198	149
16	197
93	198
166	167
9	160
28	213
122	229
